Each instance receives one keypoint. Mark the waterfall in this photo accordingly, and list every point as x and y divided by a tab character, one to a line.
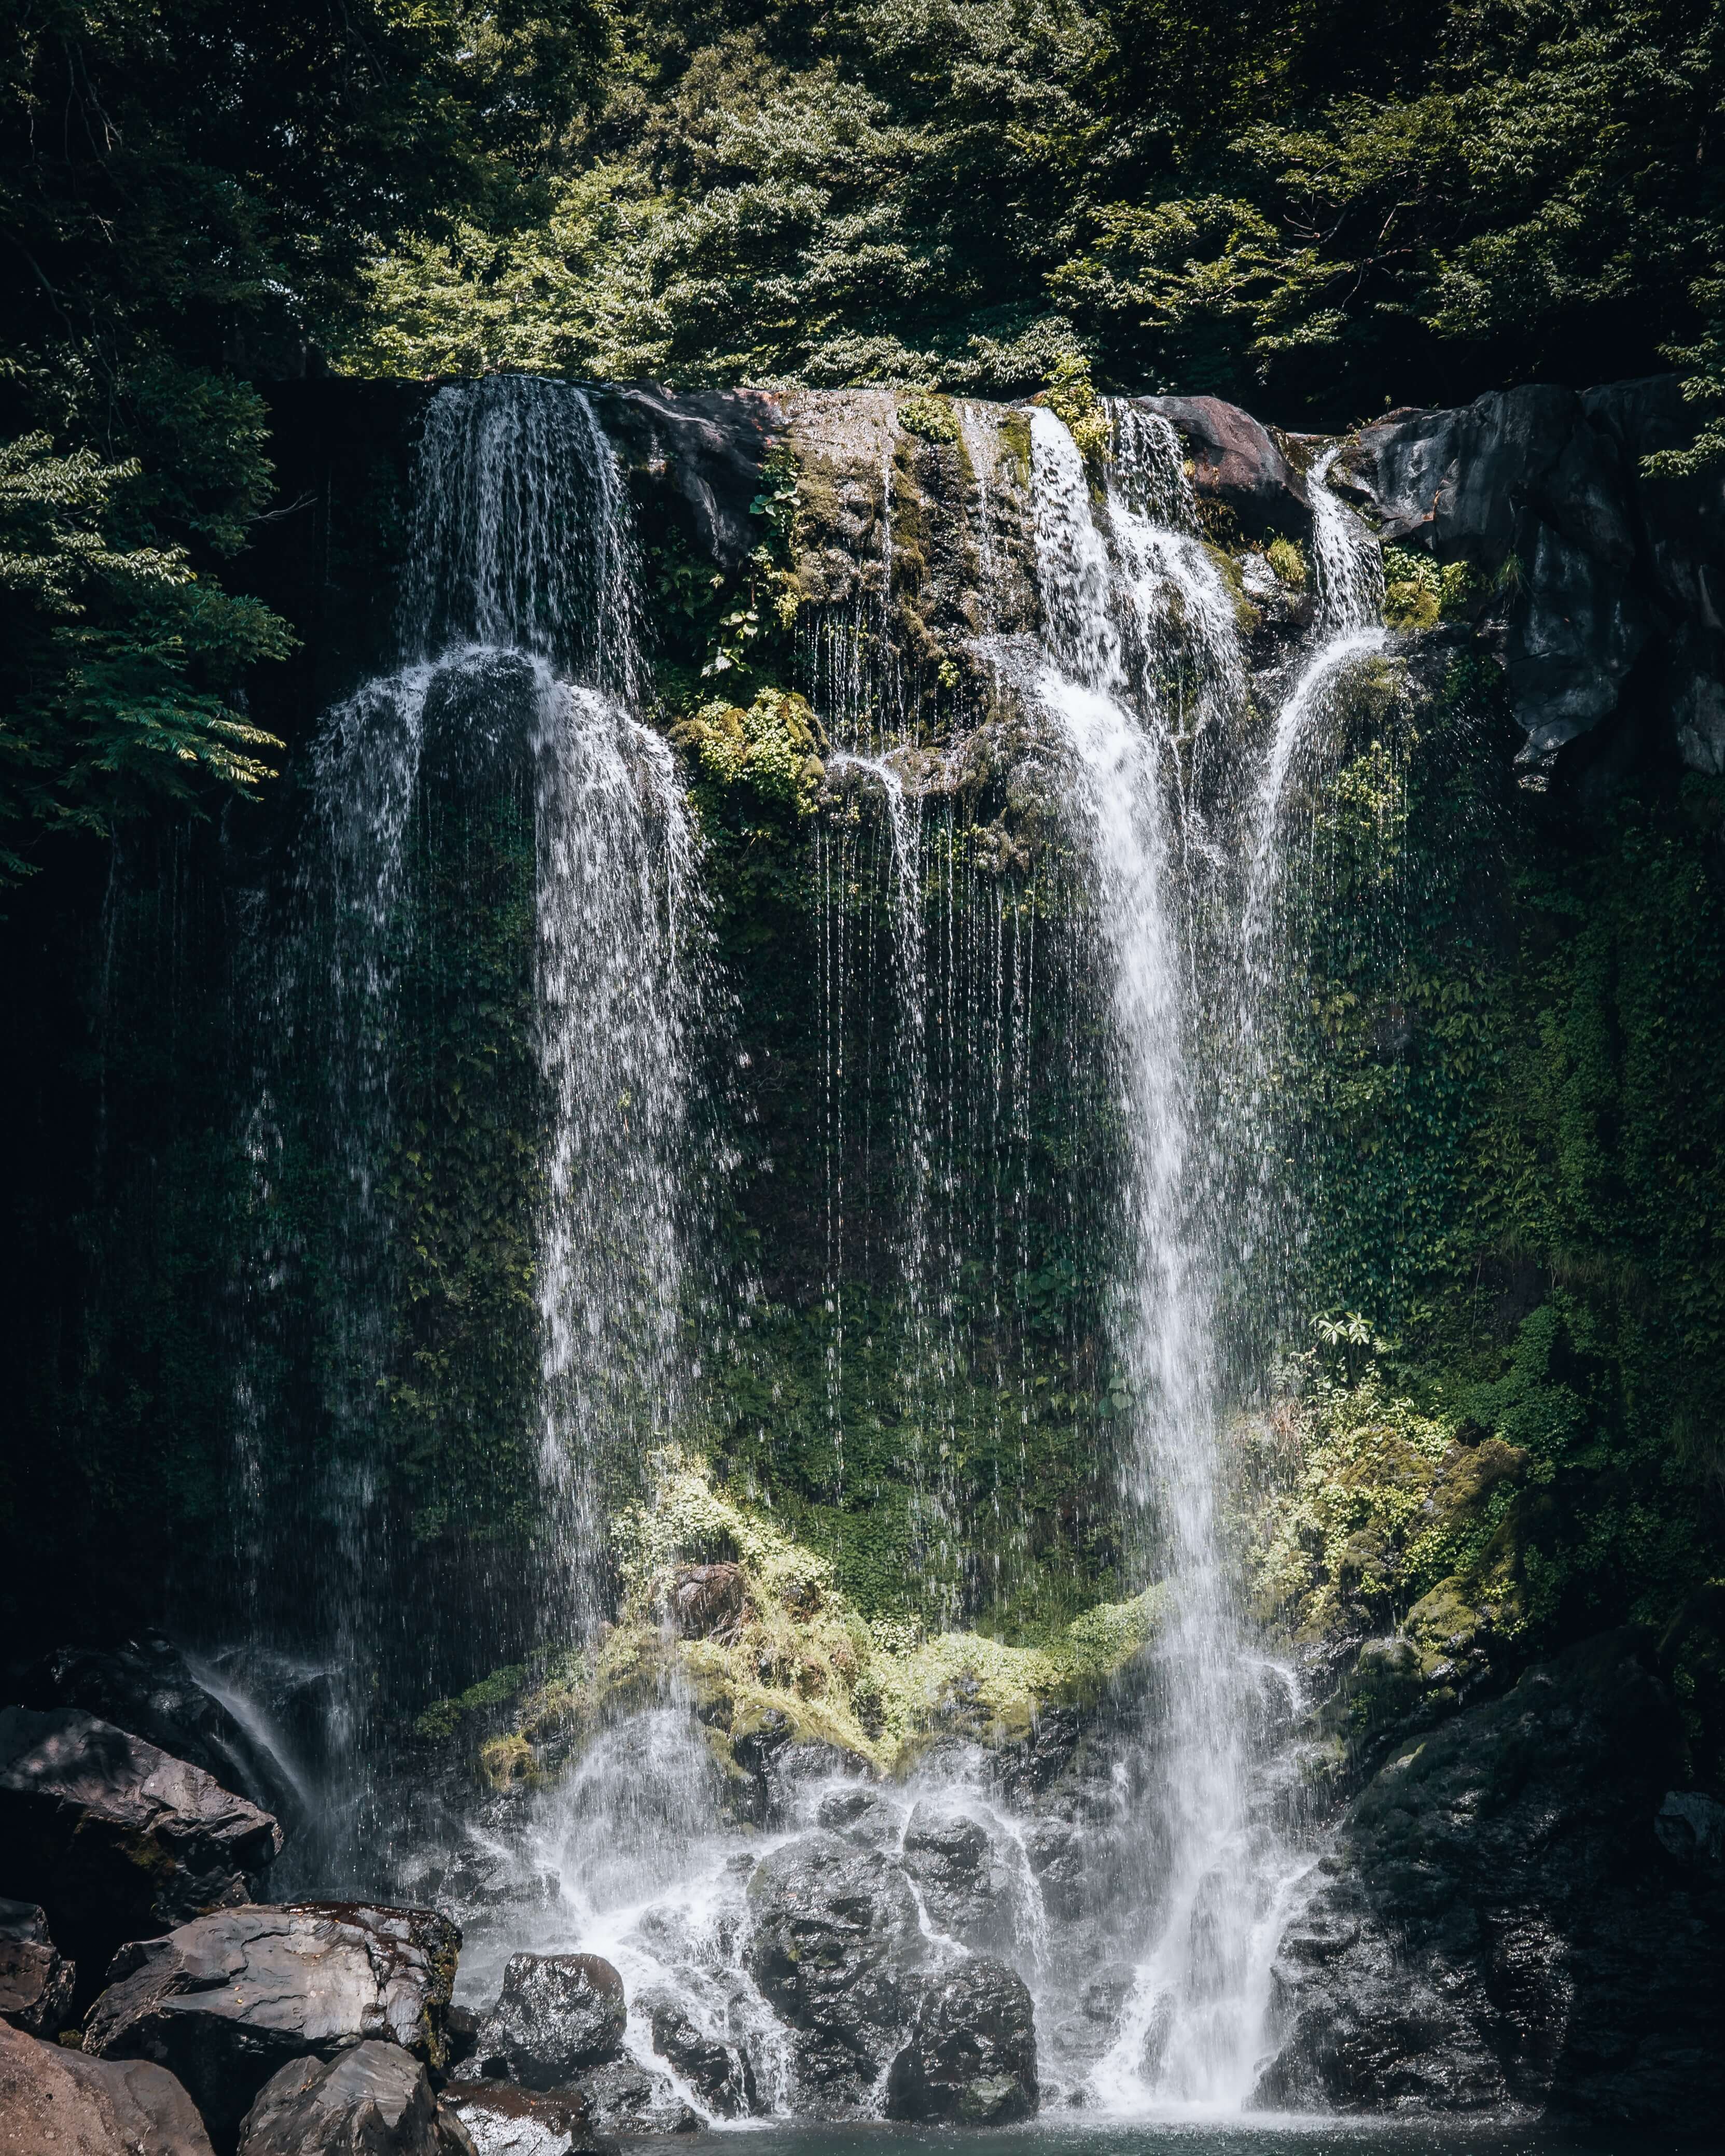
1144	678
1184	2034
508	714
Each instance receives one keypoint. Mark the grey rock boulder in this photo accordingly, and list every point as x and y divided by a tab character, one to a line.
971	2057
36	1984
952	1857
57	2102
501	2120
1541	491
1237	461
147	1688
228	2001
1500	1922
374	2099
835	1939
556	2015
624	2097
719	2073
115	1839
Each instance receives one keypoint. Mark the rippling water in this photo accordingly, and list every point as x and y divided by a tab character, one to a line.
1267	2135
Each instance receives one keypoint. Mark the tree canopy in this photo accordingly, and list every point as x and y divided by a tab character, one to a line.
1317	209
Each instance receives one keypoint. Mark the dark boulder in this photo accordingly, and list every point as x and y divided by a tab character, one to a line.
1237	461
147	1688
556	2015
719	2073
36	1984
1500	1922
835	1938
374	2099
228	2001
1541	490
114	1838
707	1599
704	449
950	1856
624	2097
971	2058
57	2102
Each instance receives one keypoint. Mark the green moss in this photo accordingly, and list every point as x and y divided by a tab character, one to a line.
1287	558
799	1655
1072	396
931	418
769	749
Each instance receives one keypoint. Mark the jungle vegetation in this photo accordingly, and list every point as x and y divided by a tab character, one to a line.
1317	209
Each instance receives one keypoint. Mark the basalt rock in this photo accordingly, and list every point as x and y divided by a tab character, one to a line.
558	2014
706	1599
57	2102
707	448
145	1686
228	2001
115	1839
624	2097
971	2060
953	1860
836	1939
1541	491
374	2099
719	2073
1236	461
501	2120
1502	1921
36	1984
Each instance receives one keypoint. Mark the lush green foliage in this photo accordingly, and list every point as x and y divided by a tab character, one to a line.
190	195
1322	209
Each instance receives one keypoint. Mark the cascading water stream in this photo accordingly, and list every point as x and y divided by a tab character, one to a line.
1187	2032
516	622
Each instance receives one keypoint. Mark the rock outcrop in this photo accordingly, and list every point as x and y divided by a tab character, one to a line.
374	2099
226	2002
1500	1922
1236	461
718	2073
115	1839
57	2102
36	1983
1593	565
835	1938
145	1686
500	2120
557	2015
971	2060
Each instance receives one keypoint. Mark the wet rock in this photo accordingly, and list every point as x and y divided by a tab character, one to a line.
705	447
503	2121
1499	1922
147	1688
622	2096
1691	1828
1238	462
113	1838
376	2098
1540	490
707	1600
836	1937
57	2102
36	1984
226	2002
971	2058
862	1812
556	2015
719	2073
952	1858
